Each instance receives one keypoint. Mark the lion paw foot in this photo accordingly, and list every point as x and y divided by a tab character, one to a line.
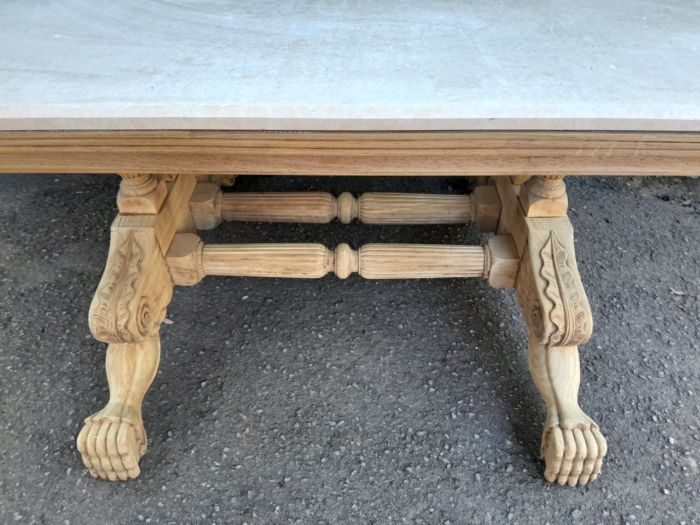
111	447
573	455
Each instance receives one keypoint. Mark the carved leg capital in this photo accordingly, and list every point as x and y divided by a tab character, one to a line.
544	196
141	194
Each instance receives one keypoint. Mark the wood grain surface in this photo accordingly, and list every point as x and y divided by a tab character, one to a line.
495	153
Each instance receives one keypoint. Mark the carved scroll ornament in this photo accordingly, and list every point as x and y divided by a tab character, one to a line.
552	296
133	294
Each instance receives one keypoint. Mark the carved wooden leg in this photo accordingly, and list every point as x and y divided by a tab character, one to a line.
572	445
126	312
558	318
114	439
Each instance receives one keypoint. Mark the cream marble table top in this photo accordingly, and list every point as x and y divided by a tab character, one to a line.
363	65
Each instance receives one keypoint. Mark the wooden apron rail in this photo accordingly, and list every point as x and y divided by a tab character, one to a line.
189	260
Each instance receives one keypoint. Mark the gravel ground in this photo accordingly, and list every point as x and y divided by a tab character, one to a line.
329	401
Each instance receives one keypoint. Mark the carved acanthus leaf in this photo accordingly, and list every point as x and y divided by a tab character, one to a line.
111	313
134	291
526	293
568	308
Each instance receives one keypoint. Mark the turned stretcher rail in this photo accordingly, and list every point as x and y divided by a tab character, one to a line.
369	208
189	260
210	206
372	261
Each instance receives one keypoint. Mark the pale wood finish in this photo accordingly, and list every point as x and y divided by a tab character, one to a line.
558	318
372	261
154	247
205	206
512	220
306	207
141	194
219	180
415	261
267	260
520	179
406	208
210	206
477	153
486	208
135	289
174	215
113	440
544	197
185	259
190	260
502	261
126	312
369	208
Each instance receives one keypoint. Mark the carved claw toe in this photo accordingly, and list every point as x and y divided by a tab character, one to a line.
573	455
111	447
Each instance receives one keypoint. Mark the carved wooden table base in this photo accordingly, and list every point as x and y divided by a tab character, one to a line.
154	247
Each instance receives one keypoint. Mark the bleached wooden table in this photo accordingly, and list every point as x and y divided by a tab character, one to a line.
180	98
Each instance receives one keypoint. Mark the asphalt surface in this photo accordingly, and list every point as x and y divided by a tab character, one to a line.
330	401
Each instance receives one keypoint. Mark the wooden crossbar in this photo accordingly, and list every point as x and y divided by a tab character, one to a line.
210	206
190	260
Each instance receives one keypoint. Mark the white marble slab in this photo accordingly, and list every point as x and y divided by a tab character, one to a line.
350	65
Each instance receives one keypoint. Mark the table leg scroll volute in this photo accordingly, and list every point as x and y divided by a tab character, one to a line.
558	318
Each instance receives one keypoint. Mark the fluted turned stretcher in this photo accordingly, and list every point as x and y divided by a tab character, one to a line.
179	98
